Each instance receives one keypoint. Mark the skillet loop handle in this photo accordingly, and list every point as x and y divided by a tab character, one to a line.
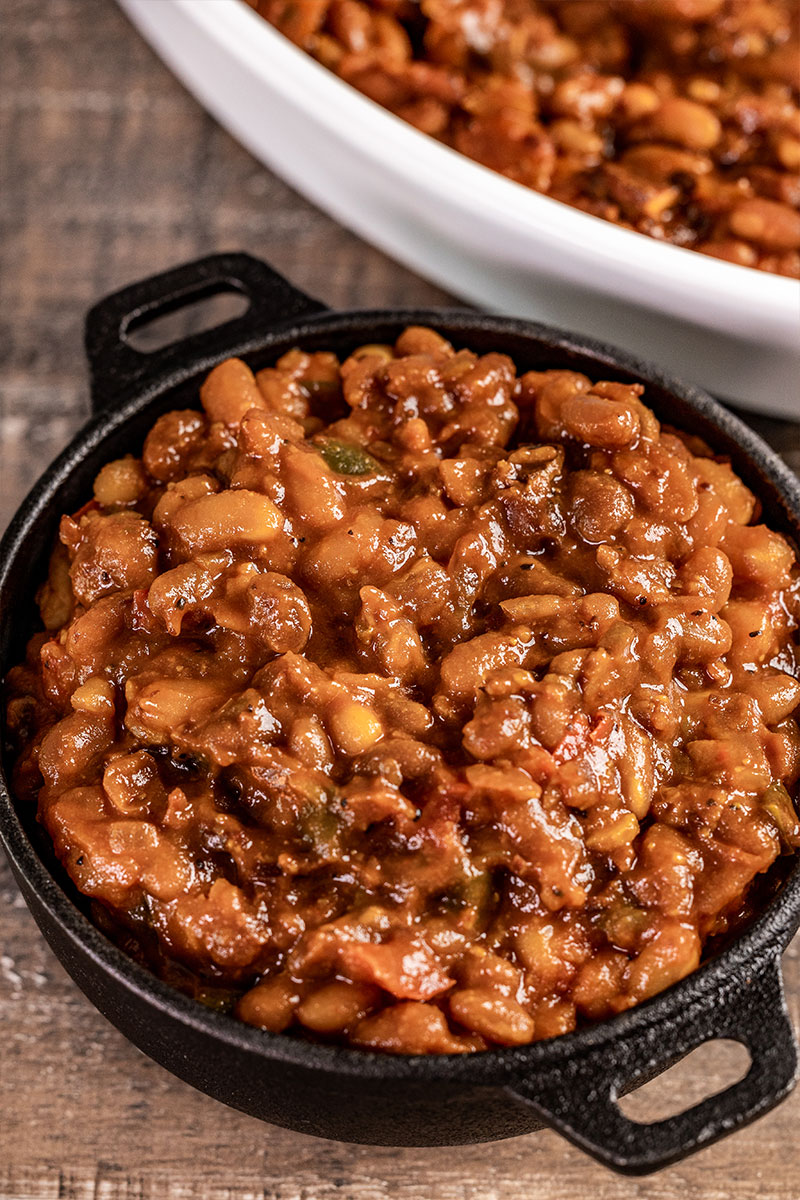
580	1101
117	369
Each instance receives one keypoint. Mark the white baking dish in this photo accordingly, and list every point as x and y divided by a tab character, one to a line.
734	330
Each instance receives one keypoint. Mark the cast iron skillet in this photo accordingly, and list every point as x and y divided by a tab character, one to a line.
570	1083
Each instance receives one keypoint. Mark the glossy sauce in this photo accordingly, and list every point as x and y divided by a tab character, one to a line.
415	704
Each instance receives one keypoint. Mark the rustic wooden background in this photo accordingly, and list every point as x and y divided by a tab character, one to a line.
109	171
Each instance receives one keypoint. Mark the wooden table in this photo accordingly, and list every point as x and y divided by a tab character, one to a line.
110	172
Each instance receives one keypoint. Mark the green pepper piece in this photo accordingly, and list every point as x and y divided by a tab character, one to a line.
346	458
624	924
319	829
221	1000
780	806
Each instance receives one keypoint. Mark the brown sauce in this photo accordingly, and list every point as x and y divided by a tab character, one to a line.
411	703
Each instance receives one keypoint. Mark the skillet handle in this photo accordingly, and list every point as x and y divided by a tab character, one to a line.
580	1100
117	369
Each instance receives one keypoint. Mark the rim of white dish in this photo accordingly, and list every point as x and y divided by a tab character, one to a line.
338	107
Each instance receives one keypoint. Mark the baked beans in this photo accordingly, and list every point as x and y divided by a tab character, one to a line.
415	703
676	118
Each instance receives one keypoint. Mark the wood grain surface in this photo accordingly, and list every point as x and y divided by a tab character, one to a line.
109	171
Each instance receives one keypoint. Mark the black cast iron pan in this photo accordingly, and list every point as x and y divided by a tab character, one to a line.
570	1083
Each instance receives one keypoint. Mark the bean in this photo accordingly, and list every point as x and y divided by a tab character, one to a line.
224	519
707	574
159	707
554	1017
740	764
637	769
671	955
553	53
418	339
660	481
309	742
758	555
598	984
411	1028
132	784
731	250
120	482
481	968
601	505
299	22
278	609
688	11
113	551
703	638
282	395
574	138
639	100
336	1006
72	744
355	727
270	1005
96	696
230	391
467	666
176	593
718	479
390	636
55	598
755	633
767	223
660	161
550	950
777	696
172	444
598	421
404	965
586	96
612	833
463	479
704	91
312	492
788	152
686	122
496	1017
179	493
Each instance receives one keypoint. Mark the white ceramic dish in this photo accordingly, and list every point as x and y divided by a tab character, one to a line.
731	329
